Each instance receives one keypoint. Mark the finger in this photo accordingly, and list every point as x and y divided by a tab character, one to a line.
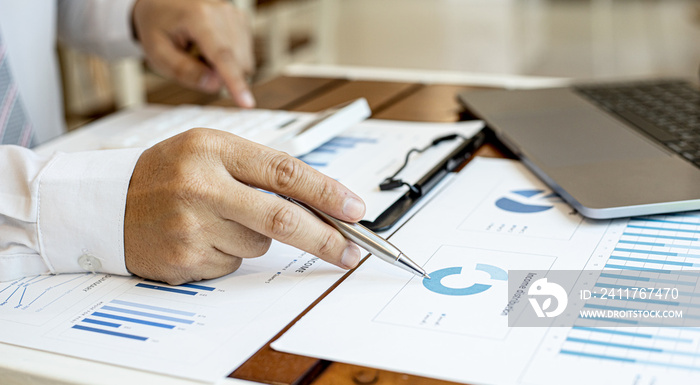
288	223
227	46
275	171
173	62
235	239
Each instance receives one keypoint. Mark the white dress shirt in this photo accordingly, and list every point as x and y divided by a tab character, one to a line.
65	212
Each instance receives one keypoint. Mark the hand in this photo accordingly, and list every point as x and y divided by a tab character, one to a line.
192	214
168	28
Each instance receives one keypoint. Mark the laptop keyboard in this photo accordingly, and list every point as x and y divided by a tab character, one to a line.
668	111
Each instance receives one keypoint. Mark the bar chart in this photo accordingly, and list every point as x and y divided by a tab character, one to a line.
642	252
186	289
135	321
199	330
329	152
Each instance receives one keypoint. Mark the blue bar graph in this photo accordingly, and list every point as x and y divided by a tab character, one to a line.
653	252
661	229
110	333
633	347
614	320
655	261
630	360
187	285
599	356
653	244
636	268
661	237
646	241
133	320
166	288
646	279
614	345
150	315
665	221
327	152
631	334
198	287
102	323
151	307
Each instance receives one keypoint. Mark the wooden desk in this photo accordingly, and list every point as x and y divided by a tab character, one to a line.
388	100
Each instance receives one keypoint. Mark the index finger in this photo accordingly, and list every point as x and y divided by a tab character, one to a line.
276	171
226	44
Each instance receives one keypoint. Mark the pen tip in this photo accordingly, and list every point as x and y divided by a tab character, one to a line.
426	276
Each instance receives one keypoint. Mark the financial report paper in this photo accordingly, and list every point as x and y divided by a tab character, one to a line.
200	331
493	218
203	331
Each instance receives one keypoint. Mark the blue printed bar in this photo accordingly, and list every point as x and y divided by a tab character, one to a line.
101	323
660	244
665	221
631	334
198	287
633	347
150	315
636	268
110	333
600	356
133	320
151	307
166	288
656	261
653	252
630	360
663	229
661	236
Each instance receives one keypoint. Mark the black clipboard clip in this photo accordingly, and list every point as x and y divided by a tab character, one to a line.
416	191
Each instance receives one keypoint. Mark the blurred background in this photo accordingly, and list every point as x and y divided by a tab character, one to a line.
581	39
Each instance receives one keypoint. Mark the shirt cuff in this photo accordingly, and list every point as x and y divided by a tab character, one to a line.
82	200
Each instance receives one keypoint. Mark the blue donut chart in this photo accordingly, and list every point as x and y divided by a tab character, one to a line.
435	284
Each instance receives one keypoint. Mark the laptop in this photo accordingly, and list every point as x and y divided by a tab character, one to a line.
610	150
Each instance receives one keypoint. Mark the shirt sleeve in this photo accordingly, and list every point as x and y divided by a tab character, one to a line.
102	27
63	213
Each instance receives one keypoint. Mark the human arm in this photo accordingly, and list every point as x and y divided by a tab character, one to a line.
188	212
56	209
166	30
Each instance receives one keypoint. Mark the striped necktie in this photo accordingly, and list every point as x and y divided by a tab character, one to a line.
15	127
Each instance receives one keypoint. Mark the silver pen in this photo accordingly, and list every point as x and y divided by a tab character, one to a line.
367	239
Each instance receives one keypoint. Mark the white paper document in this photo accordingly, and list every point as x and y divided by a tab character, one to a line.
495	216
200	331
372	151
203	331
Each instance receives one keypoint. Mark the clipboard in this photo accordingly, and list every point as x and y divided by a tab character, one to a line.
418	190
